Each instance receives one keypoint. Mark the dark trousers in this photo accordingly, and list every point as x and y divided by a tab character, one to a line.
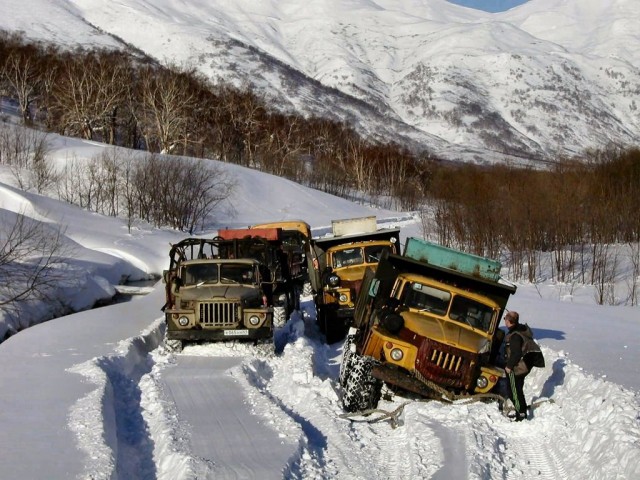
516	393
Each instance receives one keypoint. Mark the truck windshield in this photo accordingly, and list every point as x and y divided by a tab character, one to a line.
427	298
347	257
373	253
201	273
461	309
470	312
237	273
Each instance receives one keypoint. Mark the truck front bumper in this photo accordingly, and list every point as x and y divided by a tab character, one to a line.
401	378
211	335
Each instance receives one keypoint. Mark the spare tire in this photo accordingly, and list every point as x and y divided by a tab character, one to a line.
392	323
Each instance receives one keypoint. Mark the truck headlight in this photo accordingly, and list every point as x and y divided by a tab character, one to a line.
396	354
254	320
183	321
334	281
482	382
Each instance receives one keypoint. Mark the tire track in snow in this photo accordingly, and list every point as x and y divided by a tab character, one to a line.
510	450
531	457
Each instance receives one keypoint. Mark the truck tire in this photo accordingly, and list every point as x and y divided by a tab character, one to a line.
347	355
173	345
279	316
307	289
361	390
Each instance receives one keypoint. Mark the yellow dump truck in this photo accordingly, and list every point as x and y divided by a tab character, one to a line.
426	322
339	262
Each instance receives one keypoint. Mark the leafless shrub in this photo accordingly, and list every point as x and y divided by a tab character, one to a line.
634	276
15	145
176	192
32	260
179	193
26	152
604	274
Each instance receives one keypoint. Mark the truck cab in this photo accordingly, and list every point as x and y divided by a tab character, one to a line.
209	298
296	242
340	262
426	322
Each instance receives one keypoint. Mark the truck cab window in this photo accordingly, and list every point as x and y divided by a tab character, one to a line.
373	253
201	273
425	298
467	311
347	257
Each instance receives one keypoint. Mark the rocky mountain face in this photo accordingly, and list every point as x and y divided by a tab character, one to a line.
549	78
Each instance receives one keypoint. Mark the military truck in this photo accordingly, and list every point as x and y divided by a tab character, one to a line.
211	296
425	322
296	238
266	246
339	263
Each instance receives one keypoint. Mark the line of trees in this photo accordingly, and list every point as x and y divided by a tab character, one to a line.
163	190
122	99
571	215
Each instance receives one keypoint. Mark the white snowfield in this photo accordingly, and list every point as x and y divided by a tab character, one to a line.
95	396
92	395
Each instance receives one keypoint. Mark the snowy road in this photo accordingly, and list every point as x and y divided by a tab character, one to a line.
234	442
285	410
230	412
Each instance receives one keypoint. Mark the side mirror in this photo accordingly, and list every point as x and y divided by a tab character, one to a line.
373	288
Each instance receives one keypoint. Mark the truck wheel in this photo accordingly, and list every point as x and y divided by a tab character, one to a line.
321	319
279	316
361	391
307	290
347	355
173	345
335	329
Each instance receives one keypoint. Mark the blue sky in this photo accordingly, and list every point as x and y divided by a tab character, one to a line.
490	5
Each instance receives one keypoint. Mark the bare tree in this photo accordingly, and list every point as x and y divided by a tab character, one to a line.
166	103
87	92
604	273
31	261
21	72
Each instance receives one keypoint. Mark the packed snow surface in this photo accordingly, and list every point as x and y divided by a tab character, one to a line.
96	394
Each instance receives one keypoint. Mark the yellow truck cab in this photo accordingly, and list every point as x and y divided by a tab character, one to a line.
426	322
339	263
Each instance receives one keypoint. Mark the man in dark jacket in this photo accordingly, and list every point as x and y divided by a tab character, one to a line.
515	365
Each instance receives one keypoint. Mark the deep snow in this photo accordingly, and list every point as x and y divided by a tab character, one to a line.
94	395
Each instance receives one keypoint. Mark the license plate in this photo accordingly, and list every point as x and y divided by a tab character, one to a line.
236	333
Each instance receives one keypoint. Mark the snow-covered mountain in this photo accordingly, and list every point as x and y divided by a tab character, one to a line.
546	78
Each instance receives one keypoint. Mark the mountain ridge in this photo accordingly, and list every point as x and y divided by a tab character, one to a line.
545	79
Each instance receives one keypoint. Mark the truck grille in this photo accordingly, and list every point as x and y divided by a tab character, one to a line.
445	360
445	365
219	314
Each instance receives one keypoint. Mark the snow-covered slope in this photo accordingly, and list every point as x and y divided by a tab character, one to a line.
95	395
547	77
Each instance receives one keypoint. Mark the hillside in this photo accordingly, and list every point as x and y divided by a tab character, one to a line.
547	78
